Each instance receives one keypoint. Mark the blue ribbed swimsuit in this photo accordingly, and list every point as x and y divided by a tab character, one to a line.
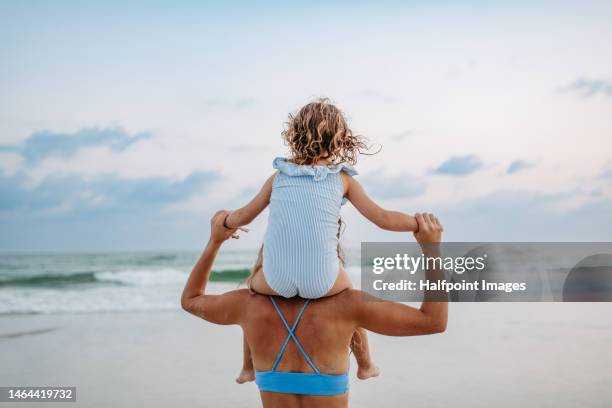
300	244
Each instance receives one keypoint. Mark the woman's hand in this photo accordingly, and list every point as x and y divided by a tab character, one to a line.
194	298
218	232
430	229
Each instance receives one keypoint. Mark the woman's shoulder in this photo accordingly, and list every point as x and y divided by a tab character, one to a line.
318	172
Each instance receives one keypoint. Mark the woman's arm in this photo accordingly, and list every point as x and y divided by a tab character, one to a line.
219	309
396	319
246	214
385	219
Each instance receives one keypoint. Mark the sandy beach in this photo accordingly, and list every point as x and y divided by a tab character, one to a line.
502	355
448	147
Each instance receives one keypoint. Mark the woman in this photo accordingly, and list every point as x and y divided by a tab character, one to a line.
317	349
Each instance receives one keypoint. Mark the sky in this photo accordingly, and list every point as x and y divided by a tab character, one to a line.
126	125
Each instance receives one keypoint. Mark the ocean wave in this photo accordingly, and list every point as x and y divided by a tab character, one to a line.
230	275
143	277
98	299
161	277
50	280
162	257
117	282
127	277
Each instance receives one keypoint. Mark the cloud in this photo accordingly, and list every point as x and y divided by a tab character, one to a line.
524	216
606	175
459	165
589	87
505	216
400	186
518	165
46	143
12	191
73	194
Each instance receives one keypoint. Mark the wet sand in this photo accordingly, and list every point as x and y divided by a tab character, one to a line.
501	355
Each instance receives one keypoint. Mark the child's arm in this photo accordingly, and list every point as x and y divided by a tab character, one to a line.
385	219
396	319
246	214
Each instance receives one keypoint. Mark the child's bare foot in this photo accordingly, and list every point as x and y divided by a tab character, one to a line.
365	371
246	375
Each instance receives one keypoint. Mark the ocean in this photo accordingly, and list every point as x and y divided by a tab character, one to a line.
112	282
153	281
105	322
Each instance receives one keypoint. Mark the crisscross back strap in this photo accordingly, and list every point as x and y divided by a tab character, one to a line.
291	335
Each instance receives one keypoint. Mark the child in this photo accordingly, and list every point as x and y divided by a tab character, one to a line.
305	195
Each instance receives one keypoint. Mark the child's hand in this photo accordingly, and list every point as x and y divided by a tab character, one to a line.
218	232
430	229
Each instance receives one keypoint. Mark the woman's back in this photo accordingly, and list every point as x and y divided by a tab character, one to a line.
324	330
300	245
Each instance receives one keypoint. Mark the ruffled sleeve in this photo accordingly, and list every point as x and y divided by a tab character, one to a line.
318	172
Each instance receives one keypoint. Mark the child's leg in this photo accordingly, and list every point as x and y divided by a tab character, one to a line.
259	285
343	282
248	372
361	349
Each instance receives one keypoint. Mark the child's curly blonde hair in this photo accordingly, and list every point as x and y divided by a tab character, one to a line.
319	131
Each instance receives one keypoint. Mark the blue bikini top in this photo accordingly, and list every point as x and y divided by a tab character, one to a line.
316	383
